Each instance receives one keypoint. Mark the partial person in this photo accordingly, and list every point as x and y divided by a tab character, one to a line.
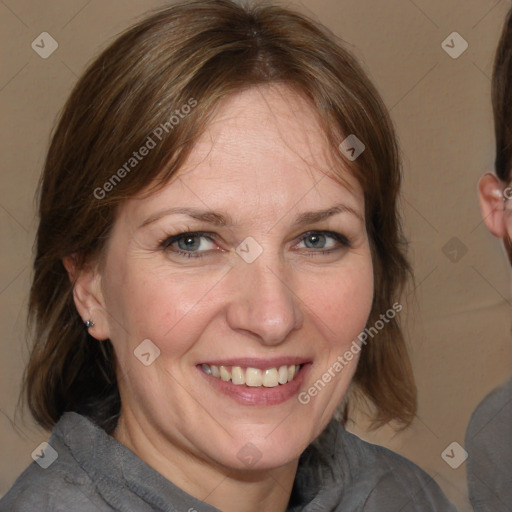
489	434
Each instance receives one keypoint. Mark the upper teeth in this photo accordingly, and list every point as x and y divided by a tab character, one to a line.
253	377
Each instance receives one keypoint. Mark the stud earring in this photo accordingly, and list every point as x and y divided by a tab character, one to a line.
89	323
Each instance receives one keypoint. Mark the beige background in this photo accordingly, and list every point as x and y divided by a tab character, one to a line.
458	317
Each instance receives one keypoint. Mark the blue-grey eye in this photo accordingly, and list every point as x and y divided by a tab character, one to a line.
323	240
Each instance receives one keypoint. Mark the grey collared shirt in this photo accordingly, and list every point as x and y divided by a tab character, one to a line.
95	473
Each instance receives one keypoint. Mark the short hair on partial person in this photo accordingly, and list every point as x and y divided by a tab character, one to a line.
502	102
203	50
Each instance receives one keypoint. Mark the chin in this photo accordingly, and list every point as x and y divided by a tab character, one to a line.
273	450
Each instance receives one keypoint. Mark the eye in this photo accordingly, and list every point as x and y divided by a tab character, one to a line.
323	241
195	244
190	244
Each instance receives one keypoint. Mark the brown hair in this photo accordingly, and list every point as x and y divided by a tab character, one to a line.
502	110
196	53
502	101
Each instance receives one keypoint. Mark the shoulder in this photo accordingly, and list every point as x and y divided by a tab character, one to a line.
489	463
51	490
493	414
379	480
60	486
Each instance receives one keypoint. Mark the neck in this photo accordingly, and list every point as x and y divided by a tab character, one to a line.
226	489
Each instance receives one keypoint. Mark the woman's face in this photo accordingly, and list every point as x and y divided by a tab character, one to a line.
253	259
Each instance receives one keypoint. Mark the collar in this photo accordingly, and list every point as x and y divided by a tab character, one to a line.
109	464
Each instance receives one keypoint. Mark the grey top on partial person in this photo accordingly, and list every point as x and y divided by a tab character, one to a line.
489	446
338	473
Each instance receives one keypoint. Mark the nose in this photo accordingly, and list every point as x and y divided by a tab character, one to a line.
264	303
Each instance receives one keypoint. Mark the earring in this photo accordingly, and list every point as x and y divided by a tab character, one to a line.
89	323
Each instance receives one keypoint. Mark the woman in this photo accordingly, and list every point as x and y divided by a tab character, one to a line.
489	433
219	260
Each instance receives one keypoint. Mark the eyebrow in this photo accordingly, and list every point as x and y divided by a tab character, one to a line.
224	219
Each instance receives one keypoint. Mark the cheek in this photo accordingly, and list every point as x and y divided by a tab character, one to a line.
148	302
343	303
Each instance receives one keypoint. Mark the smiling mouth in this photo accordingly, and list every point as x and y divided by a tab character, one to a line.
253	377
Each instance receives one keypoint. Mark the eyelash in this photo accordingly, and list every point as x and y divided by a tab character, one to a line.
165	244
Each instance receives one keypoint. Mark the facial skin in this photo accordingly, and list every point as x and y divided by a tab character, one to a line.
263	162
492	192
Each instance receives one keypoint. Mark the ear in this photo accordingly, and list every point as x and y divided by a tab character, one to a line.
88	296
491	192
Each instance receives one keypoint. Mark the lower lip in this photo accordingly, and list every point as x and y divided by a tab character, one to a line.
247	395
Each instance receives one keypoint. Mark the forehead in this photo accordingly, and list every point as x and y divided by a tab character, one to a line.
265	119
269	131
265	146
